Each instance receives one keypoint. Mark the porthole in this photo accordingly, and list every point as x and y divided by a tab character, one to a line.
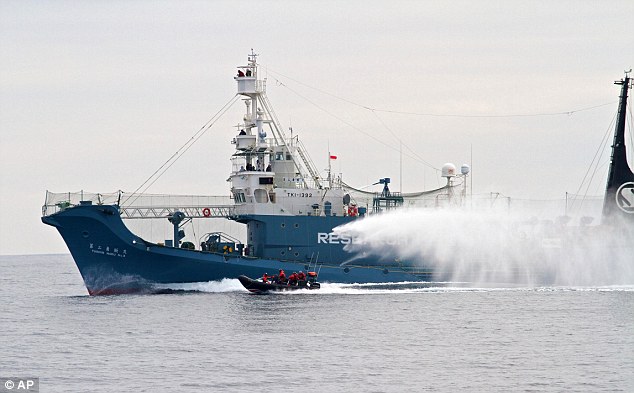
346	270
282	252
85	234
385	271
296	254
283	225
296	225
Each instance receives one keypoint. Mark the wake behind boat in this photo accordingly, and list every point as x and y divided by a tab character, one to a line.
288	209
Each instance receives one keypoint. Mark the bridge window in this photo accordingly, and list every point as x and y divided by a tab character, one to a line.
261	196
239	197
266	180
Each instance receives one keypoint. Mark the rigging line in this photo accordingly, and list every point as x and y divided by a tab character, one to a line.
568	113
596	169
599	186
399	139
631	123
319	90
346	122
192	142
597	155
174	157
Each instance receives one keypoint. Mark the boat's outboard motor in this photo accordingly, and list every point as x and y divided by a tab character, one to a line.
312	281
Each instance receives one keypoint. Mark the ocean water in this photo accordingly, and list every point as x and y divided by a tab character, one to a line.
216	337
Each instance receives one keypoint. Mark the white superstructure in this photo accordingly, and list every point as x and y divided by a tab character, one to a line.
273	174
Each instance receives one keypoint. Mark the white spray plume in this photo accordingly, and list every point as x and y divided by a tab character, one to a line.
493	248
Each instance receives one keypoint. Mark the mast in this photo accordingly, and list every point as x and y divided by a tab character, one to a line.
260	113
619	193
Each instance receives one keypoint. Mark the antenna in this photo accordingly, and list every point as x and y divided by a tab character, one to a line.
400	180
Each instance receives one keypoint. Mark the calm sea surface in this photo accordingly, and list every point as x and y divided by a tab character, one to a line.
215	337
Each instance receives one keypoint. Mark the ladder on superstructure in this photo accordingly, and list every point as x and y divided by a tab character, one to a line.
308	163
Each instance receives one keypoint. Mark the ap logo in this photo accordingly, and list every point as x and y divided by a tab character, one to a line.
625	197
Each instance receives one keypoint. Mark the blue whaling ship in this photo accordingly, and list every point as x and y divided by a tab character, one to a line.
288	208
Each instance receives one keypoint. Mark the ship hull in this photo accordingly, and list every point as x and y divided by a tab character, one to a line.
113	260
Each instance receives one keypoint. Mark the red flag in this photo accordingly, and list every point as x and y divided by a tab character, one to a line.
333	157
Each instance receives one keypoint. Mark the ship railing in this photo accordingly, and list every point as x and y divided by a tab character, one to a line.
207	211
305	184
143	205
308	163
58	201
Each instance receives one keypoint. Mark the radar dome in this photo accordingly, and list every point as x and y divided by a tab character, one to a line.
448	170
465	169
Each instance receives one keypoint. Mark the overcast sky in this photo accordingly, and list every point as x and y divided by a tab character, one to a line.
97	95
